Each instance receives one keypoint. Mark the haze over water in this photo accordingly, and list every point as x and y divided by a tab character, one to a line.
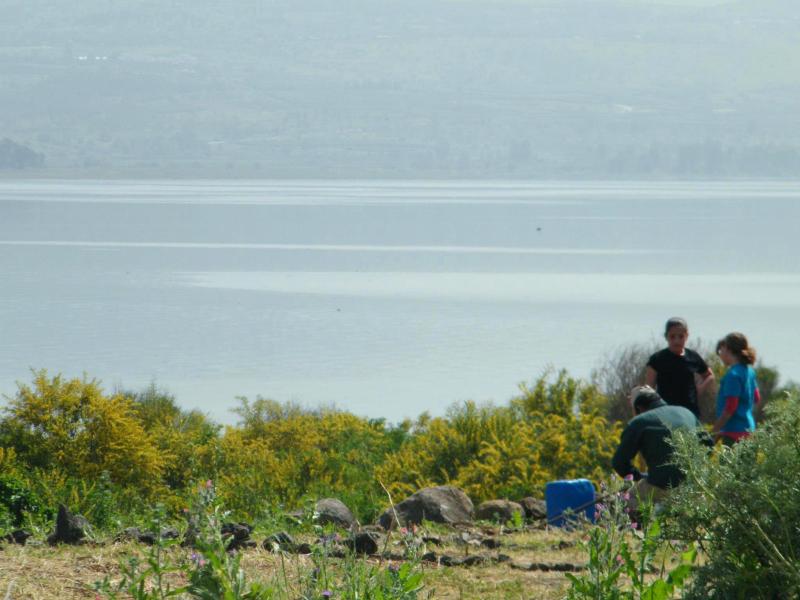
385	298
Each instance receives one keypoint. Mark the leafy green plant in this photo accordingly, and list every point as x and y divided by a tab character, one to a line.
98	502
395	582
215	573
628	559
17	500
148	578
212	572
742	508
355	579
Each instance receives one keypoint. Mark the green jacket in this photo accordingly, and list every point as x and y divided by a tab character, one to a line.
650	434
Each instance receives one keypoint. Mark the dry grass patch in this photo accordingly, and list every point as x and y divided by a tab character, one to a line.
39	572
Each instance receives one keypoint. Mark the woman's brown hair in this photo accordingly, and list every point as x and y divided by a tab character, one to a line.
737	344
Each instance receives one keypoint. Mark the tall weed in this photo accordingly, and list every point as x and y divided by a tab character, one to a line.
629	559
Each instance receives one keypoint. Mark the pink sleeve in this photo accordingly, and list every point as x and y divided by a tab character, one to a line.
731	404
758	396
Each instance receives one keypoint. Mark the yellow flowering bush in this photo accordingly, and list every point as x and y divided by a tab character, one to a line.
553	430
73	427
281	453
66	440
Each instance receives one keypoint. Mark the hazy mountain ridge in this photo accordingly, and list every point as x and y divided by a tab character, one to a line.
405	88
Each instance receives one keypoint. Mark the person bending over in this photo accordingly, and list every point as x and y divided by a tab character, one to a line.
649	433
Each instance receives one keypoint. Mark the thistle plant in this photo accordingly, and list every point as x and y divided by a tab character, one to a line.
214	573
628	554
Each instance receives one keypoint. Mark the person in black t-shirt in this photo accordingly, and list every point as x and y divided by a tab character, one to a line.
678	374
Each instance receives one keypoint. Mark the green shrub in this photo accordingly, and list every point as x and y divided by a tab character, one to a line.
742	506
186	440
17	500
618	372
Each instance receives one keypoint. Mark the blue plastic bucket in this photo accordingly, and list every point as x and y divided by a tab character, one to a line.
569	494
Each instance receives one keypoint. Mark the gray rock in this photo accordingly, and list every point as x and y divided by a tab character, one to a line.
429	557
364	542
537	566
238	535
129	534
304	548
395	556
236	530
18	536
331	510
149	537
70	528
169	533
441	504
534	509
498	510
280	541
475	559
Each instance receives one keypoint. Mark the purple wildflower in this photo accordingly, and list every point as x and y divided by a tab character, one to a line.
198	560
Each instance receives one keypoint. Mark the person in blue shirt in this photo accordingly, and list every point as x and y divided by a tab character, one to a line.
738	390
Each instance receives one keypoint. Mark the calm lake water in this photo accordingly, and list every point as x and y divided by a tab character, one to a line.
383	298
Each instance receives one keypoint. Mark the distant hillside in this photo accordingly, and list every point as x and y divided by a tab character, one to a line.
407	88
16	156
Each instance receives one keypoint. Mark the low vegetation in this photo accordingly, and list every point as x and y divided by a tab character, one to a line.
106	455
138	459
